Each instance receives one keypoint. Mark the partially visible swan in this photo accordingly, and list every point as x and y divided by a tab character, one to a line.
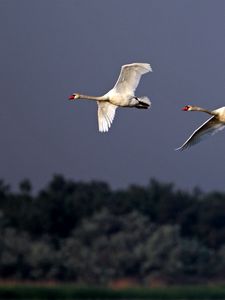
210	127
122	94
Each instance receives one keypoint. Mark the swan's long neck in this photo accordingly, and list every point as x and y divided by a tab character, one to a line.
96	98
196	108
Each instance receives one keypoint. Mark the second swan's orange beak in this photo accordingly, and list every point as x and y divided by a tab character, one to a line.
71	97
185	108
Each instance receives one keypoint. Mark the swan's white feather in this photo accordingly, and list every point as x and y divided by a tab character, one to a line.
130	76
146	100
106	114
210	127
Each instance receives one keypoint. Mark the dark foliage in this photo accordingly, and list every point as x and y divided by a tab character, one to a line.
87	233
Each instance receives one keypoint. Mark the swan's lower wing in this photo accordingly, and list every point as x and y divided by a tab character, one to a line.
106	113
210	127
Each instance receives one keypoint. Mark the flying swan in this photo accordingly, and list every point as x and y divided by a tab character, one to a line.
122	94
210	127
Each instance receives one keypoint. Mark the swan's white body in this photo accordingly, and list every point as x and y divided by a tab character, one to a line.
122	94
210	127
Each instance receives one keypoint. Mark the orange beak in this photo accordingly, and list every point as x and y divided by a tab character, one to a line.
71	97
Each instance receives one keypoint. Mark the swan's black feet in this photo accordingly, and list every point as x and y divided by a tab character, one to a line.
142	105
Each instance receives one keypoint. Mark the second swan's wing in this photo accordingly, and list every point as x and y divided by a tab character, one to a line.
210	127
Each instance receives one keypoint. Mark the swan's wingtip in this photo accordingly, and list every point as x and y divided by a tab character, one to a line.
150	68
146	66
103	129
181	148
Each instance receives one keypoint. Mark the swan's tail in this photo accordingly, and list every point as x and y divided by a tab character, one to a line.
143	102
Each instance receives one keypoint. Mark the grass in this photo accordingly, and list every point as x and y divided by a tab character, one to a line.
73	292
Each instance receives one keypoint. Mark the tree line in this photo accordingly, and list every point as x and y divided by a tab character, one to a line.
88	233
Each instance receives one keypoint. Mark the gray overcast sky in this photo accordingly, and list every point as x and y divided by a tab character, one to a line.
51	48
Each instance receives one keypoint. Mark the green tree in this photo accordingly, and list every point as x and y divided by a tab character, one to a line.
13	251
106	247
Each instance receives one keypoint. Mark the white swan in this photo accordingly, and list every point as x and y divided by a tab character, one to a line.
210	127
122	94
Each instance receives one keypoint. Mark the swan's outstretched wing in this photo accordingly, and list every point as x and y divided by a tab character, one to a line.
106	113
130	76
210	127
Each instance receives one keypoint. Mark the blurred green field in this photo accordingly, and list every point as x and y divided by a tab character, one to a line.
72	292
